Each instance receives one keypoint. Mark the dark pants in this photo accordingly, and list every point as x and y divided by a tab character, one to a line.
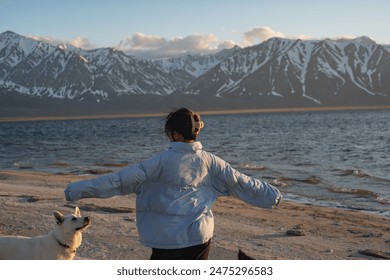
198	252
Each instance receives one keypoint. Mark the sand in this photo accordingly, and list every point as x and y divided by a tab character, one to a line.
28	199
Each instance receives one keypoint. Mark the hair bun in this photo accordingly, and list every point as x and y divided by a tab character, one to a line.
196	125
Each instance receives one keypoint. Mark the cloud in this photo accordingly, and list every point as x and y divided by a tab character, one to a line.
141	41
228	44
78	42
152	46
344	37
82	43
260	34
263	33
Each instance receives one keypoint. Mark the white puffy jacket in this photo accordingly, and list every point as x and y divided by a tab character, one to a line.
175	191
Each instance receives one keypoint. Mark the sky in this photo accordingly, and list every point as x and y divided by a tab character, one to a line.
157	28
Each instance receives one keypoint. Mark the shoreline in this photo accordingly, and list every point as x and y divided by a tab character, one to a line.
210	112
28	199
288	196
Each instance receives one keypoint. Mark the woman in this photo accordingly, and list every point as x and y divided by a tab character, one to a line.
176	190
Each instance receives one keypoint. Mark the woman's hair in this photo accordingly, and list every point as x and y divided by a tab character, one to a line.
184	122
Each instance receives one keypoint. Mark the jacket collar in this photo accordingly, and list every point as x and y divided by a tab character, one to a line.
185	147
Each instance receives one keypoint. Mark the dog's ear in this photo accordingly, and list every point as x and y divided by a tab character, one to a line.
59	217
77	211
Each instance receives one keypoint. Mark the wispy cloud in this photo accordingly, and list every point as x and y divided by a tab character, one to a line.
263	33
154	46
260	34
79	42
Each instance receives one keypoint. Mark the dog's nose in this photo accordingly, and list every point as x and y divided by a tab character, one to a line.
86	219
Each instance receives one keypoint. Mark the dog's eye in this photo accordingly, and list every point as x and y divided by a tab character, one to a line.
74	219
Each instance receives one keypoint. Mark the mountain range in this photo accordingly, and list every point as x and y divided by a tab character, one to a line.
37	78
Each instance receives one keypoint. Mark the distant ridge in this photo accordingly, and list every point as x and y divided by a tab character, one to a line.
38	79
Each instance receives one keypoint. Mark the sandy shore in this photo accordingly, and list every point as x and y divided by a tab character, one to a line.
28	199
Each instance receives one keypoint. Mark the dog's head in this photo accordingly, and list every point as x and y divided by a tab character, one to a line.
72	222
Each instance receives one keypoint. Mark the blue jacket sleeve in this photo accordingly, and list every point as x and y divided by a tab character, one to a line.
126	181
250	190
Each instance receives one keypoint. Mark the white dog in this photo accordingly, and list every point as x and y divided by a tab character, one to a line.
60	244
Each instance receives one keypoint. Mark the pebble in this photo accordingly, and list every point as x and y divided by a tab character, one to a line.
298	230
375	254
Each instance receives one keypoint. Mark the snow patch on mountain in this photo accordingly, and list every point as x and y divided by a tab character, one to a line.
283	70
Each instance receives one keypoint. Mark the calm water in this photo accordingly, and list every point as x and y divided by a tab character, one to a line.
339	159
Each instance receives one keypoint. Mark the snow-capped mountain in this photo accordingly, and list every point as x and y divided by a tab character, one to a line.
40	69
278	73
197	64
322	72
